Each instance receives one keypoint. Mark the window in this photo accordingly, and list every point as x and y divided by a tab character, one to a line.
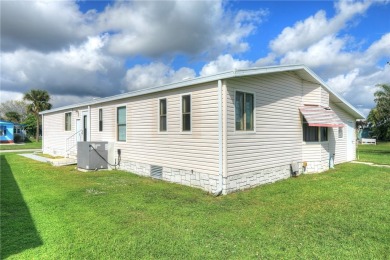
68	121
314	133
100	120
186	112
121	123
341	134
244	105
163	115
324	134
3	130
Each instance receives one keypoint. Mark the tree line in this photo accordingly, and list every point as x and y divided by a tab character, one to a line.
26	111
379	117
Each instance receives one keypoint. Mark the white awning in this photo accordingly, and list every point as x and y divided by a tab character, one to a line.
321	116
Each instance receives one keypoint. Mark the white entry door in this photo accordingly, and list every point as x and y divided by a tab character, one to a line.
351	141
79	134
85	126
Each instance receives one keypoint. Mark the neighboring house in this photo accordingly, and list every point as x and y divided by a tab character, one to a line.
221	133
6	132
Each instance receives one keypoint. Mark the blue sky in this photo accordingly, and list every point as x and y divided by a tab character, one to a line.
78	50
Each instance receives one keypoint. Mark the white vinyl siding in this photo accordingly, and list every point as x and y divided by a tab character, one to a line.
338	146
54	134
277	140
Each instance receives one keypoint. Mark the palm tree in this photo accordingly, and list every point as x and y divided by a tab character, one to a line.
39	102
379	116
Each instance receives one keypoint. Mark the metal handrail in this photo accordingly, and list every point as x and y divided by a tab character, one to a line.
71	141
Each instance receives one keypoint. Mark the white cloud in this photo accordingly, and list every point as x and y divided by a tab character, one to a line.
81	70
41	25
224	63
342	83
154	75
10	95
310	31
156	28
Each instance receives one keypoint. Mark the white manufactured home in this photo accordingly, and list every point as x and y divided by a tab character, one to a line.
220	133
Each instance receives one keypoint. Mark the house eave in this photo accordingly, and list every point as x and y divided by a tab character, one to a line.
220	76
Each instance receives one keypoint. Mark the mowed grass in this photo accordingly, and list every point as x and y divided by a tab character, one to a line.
59	213
26	145
379	154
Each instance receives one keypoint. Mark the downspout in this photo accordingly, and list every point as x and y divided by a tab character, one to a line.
220	141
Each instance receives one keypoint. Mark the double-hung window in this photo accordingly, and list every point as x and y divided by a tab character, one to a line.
121	124
100	120
314	133
244	106
68	121
186	112
163	114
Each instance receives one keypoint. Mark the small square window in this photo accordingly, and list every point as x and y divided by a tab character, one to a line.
341	134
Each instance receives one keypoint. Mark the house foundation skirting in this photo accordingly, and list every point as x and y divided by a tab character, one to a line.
209	182
256	178
191	178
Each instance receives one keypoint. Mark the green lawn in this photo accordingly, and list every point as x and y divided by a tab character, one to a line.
26	145
59	213
379	153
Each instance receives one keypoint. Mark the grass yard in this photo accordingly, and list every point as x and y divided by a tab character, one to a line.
59	213
379	153
26	145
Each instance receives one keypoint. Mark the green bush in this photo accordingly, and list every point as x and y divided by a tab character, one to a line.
18	138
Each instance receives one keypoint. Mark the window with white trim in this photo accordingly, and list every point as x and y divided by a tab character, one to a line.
121	124
186	112
244	110
68	121
163	114
100	120
341	134
314	133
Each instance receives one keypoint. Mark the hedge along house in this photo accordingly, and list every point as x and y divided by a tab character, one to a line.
221	133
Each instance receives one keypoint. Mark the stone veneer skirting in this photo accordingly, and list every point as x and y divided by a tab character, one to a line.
209	182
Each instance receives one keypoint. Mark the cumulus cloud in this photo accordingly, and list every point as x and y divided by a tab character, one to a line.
156	28
224	63
154	75
43	26
81	70
314	28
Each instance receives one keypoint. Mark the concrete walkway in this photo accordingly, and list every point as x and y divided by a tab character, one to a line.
372	164
54	162
34	157
21	151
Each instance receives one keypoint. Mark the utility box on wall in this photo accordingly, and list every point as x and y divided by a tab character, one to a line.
92	155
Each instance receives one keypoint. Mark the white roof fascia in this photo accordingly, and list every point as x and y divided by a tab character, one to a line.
180	84
357	113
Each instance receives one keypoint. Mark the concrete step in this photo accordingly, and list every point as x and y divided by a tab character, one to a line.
63	161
